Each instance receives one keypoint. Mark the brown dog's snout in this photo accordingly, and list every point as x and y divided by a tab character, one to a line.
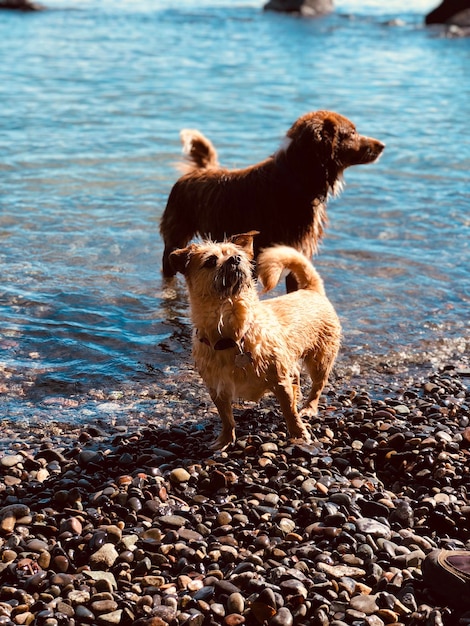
374	145
368	150
377	149
380	146
372	142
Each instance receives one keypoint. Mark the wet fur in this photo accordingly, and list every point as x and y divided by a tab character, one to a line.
244	347
284	197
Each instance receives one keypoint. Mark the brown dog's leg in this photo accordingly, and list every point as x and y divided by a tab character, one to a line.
286	396
224	407
177	230
167	268
291	283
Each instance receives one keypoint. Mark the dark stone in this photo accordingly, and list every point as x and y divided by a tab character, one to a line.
225	587
20	5
205	593
451	12
308	8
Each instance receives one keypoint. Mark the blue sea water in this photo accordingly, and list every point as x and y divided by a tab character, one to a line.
93	96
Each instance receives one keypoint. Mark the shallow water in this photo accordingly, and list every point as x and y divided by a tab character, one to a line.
93	97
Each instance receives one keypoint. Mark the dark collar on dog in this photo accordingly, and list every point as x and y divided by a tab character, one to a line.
242	359
222	344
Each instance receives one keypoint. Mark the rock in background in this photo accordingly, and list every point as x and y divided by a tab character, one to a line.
308	8
20	5
452	13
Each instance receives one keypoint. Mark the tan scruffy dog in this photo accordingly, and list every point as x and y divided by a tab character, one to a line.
244	347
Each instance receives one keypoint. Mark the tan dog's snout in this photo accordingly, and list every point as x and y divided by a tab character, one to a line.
232	275
233	262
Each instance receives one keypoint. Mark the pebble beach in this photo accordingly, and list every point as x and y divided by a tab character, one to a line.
133	523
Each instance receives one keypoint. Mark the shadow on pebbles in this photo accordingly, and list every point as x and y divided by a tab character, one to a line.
149	528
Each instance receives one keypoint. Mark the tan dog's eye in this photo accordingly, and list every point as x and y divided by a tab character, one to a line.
210	261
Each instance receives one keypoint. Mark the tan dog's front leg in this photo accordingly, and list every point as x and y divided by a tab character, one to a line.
224	407
286	396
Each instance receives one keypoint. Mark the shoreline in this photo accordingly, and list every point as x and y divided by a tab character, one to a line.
166	393
122	522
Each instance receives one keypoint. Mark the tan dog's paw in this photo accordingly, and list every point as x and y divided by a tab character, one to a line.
302	435
223	440
308	411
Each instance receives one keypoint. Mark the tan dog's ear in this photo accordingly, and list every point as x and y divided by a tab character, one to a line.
245	241
179	259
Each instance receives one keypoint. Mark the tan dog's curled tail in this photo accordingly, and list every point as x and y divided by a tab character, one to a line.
199	151
273	261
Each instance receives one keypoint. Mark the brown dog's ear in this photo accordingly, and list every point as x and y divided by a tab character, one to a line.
245	241
329	130
179	259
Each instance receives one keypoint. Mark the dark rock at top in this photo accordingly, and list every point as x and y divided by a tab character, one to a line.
20	5
308	8
450	12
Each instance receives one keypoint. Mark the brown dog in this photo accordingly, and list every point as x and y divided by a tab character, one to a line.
244	347
283	197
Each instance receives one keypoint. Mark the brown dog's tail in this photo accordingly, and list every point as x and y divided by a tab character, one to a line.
199	151
273	261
